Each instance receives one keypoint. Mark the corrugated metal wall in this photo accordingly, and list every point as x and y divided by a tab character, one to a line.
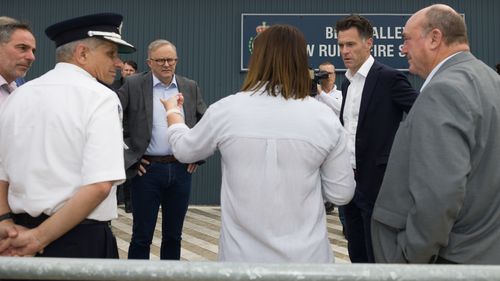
207	36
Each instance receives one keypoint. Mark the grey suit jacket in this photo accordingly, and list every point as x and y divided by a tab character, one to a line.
136	96
441	192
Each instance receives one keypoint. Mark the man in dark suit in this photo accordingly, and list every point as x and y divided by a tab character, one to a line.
375	97
157	178
129	67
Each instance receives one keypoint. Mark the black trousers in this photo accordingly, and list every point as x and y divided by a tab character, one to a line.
89	239
358	214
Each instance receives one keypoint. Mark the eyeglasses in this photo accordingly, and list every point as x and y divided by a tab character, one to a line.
162	61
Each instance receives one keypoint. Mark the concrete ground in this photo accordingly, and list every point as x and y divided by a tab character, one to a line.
201	235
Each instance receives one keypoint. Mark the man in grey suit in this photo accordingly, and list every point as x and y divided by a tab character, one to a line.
439	199
157	178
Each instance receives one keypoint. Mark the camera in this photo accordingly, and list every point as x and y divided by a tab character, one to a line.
316	77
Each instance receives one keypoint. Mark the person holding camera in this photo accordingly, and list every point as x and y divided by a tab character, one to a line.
326	88
327	93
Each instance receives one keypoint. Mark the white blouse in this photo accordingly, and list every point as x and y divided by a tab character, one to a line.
279	158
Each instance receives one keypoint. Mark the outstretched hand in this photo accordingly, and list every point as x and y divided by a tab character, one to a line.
173	102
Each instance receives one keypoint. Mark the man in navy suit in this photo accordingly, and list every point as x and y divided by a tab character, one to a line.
375	97
157	178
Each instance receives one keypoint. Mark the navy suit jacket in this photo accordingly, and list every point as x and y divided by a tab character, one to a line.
387	94
136	97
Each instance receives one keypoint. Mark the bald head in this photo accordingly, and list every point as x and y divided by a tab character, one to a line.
431	35
447	20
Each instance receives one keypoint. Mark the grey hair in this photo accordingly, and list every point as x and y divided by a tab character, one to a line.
64	53
153	46
7	20
8	26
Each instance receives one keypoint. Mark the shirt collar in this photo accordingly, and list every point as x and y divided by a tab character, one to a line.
363	70
74	67
157	82
333	90
11	85
435	69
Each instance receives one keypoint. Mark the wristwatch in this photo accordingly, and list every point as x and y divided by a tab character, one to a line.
6	216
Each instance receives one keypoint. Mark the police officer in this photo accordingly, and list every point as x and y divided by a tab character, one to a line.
61	147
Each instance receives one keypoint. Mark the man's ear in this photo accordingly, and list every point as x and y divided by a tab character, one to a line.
436	37
369	42
81	54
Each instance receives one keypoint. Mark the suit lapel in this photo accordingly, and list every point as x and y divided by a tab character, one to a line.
368	89
147	93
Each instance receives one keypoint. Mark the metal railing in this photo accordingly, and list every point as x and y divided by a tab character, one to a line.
100	269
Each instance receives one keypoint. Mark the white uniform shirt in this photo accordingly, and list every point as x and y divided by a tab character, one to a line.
58	133
277	156
353	103
333	99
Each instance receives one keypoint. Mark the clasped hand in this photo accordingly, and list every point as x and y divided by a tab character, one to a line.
17	240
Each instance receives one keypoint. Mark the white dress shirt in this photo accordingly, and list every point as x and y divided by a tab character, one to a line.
158	146
353	103
279	158
333	99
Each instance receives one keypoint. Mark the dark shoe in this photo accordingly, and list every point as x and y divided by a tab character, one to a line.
329	207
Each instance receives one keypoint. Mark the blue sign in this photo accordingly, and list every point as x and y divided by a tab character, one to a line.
319	30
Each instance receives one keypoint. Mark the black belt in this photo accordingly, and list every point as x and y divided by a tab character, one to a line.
160	159
29	221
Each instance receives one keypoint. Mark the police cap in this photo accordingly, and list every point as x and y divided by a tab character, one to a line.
105	26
